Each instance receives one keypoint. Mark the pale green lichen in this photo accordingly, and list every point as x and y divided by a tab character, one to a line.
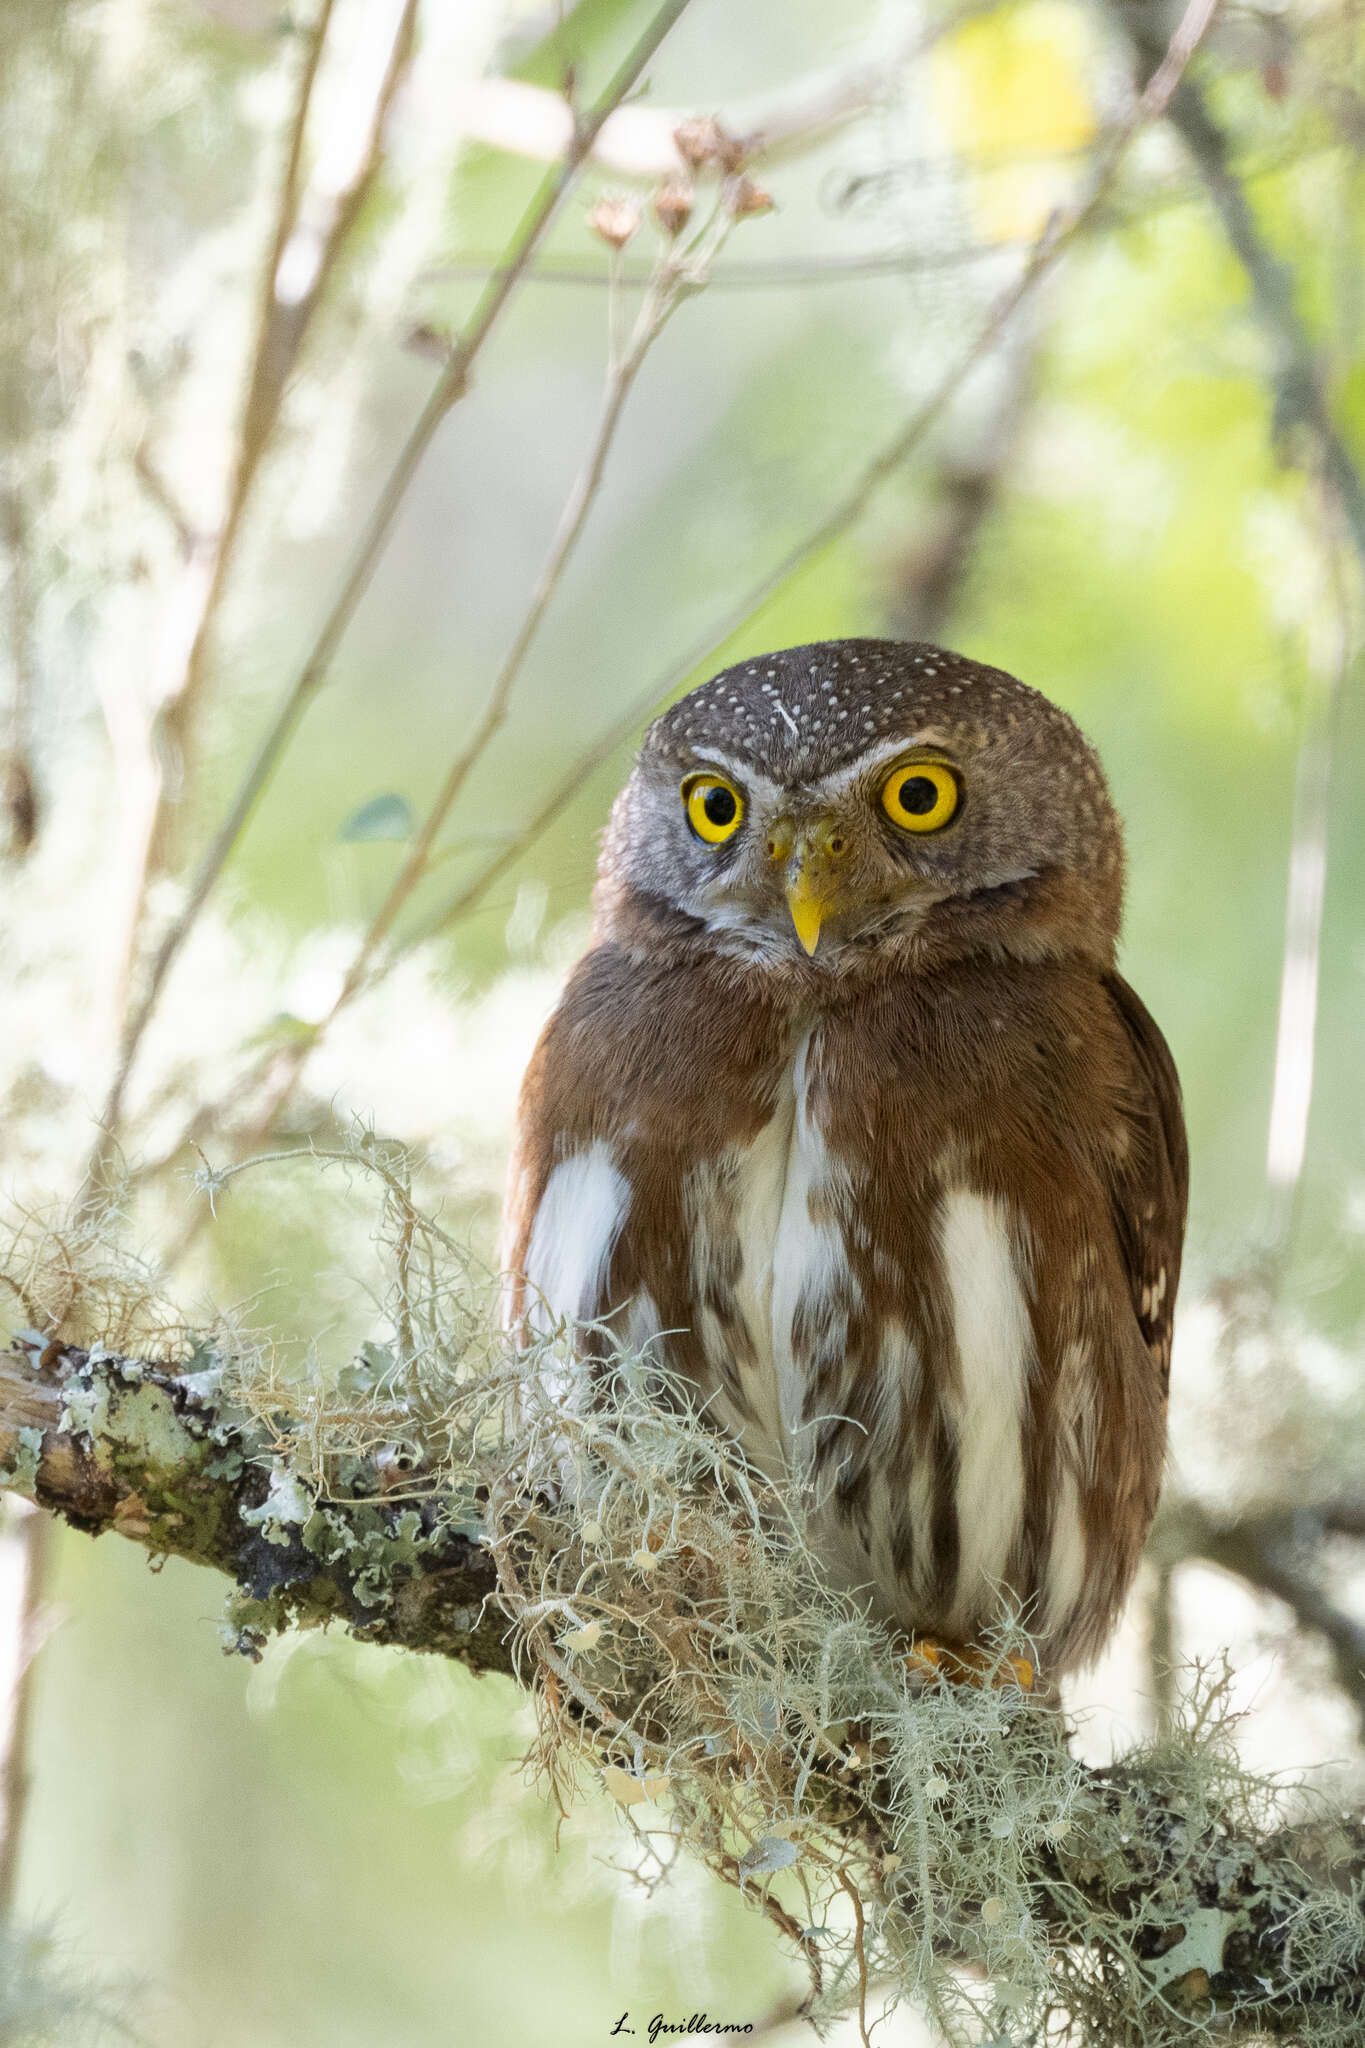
374	1549
127	1415
285	1509
20	1472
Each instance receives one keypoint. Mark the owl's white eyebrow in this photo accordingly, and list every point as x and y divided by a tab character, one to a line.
743	772
839	779
719	756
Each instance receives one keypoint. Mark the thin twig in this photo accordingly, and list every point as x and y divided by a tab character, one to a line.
155	749
785	273
930	571
860	1950
1307	436
283	323
659	306
450	386
1160	1645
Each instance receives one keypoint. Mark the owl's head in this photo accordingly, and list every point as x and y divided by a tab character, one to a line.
829	803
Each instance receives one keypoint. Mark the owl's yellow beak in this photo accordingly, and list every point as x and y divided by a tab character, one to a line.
807	900
816	852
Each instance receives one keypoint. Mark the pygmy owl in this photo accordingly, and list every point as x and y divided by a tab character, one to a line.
849	1116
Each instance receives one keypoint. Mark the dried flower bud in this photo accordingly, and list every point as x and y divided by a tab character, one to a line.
699	139
614	221
733	151
745	198
673	206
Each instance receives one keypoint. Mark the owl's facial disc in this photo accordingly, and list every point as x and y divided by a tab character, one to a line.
842	859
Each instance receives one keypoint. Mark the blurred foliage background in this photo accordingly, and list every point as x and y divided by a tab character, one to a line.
241	242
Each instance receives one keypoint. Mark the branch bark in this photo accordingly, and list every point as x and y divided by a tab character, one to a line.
162	1455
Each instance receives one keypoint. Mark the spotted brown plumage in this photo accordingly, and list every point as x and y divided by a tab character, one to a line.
848	1114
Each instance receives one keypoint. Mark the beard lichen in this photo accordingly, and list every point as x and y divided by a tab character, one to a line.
913	1838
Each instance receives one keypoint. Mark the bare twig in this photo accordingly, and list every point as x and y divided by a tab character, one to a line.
288	304
680	271
1307	436
448	389
1160	1645
673	279
780	273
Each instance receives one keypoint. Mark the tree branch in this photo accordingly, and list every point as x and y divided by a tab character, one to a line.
162	1455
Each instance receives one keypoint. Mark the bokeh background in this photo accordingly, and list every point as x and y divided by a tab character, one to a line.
1124	503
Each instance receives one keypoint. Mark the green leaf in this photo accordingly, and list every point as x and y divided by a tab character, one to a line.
383	817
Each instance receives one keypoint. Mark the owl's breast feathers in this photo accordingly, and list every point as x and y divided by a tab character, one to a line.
918	1249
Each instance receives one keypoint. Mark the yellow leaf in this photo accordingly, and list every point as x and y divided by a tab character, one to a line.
625	1788
628	1790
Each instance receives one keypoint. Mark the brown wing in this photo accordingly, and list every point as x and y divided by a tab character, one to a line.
1149	1192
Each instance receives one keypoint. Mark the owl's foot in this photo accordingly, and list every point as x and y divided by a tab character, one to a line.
928	1659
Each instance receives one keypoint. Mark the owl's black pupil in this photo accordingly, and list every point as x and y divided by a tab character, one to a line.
719	805
918	795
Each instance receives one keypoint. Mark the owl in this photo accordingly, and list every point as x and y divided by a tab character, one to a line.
848	1116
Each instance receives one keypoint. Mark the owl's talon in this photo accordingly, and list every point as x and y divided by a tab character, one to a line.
927	1659
1020	1669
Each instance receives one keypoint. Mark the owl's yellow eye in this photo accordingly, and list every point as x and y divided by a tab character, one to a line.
921	797
715	808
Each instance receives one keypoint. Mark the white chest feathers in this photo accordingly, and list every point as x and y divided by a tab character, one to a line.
577	1224
770	1271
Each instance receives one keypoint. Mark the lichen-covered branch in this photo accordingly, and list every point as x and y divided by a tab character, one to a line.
163	1456
1155	1893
